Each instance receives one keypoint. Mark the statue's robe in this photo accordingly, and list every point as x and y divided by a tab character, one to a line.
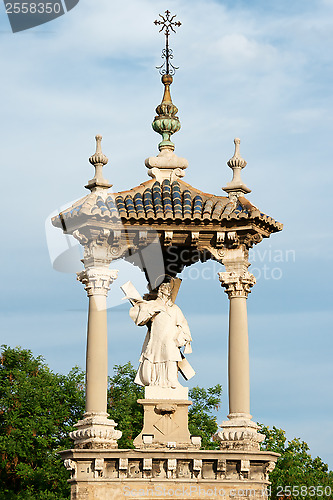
167	331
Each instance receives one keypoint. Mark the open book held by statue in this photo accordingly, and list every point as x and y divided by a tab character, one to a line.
168	331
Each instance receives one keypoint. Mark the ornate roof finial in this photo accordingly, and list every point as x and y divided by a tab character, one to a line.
166	122
236	163
98	160
167	23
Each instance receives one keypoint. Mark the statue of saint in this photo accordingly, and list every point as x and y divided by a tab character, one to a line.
168	331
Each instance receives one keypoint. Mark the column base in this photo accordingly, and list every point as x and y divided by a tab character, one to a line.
95	431
239	433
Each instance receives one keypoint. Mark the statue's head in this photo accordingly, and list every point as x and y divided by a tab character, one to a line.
164	291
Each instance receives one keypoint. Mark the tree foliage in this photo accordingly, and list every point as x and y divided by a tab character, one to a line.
38	409
201	419
296	468
123	394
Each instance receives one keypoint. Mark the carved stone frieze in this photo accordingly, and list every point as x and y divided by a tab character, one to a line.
116	237
232	238
185	468
71	466
82	239
101	249
97	280
99	467
123	463
220	238
237	285
221	465
245	468
197	464
121	250
252	239
216	253
269	468
97	250
172	464
147	464
168	235
143	236
103	236
194	237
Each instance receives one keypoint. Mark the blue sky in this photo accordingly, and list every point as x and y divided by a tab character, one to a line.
261	71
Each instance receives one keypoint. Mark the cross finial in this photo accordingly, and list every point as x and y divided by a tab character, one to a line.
167	24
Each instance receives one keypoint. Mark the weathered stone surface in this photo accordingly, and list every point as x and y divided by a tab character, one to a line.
165	425
152	474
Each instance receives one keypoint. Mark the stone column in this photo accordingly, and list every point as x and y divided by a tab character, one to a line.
238	288
96	430
239	432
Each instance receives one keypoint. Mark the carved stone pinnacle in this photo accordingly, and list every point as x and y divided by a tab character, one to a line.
98	160
236	163
98	157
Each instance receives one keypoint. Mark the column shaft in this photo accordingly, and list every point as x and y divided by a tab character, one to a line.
97	353
238	366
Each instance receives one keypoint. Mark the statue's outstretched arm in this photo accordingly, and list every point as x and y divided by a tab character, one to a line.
143	311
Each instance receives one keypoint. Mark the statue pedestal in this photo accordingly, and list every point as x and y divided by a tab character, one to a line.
165	425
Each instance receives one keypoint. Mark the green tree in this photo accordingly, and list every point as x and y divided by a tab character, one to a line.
296	469
38	409
122	403
201	419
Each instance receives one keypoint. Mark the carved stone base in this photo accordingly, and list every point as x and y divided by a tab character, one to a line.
166	425
95	431
239	433
130	474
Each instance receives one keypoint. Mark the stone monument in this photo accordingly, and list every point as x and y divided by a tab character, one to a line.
166	401
167	461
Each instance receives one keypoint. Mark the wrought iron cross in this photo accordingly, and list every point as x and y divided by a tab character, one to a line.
167	24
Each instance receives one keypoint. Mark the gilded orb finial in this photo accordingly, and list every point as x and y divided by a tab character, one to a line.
98	160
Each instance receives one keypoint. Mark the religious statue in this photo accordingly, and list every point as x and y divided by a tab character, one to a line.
168	331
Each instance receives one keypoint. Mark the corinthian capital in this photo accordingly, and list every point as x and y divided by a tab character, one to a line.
97	280
237	285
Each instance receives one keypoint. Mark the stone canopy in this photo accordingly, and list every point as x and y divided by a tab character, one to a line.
166	211
181	215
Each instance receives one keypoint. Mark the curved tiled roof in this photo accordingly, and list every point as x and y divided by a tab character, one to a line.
163	201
